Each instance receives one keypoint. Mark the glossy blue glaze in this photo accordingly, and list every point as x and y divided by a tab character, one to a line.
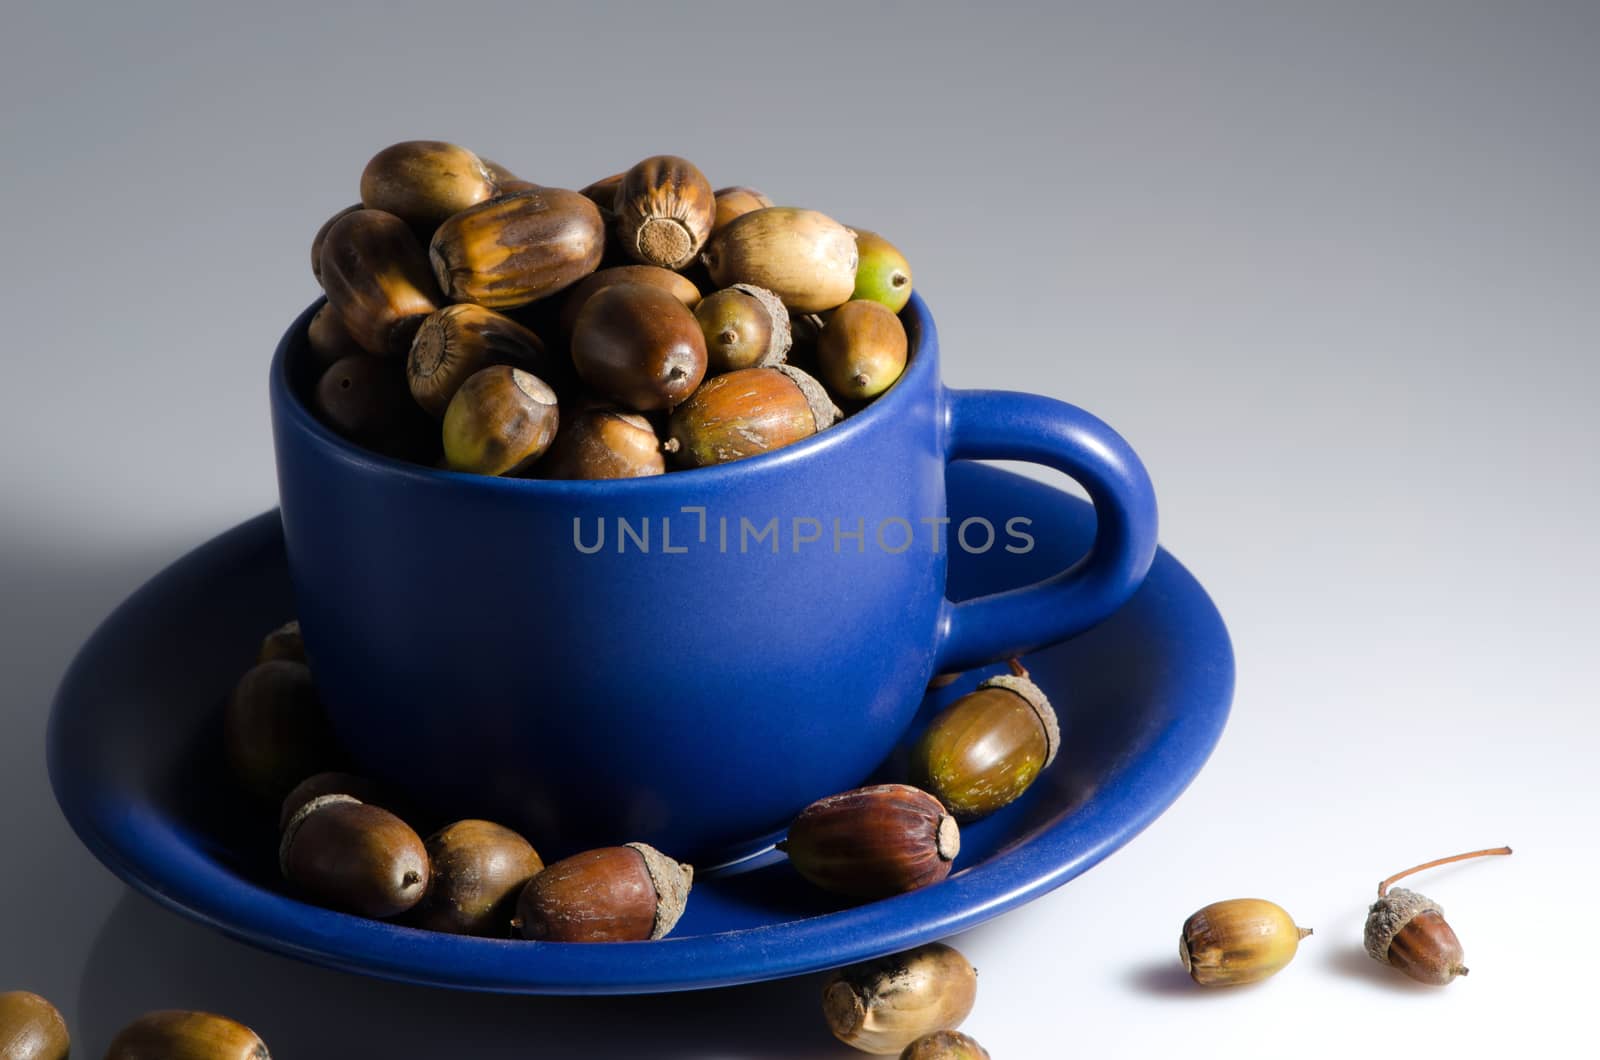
686	685
133	759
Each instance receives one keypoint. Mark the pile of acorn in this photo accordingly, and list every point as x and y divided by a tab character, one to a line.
483	323
347	844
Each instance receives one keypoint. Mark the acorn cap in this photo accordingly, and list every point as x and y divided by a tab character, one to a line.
672	882
782	337
1034	696
292	829
1391	913
823	410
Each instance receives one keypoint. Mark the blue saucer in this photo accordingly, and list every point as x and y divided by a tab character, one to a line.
134	739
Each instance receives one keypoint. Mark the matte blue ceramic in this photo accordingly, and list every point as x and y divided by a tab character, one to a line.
689	659
133	757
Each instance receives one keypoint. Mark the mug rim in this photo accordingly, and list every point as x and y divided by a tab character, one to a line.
919	366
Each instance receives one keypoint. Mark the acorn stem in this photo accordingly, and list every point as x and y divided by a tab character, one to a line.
1017	668
1383	888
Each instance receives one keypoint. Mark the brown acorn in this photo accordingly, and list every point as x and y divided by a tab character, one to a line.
945	1045
675	284
985	749
511	250
366	400
377	280
616	894
736	202
479	870
422	182
499	422
328	338
460	340
354	857
1407	931
186	1036
638	346
603	192
284	642
331	783
322	237
804	257
664	211
1238	941
883	1005
862	350
745	327
874	842
275	732
31	1028
604	443
746	413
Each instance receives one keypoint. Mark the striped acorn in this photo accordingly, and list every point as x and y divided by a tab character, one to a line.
422	182
457	342
874	842
985	749
509	251
665	208
186	1036
378	281
746	413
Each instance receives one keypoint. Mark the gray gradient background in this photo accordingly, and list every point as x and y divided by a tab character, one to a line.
1332	269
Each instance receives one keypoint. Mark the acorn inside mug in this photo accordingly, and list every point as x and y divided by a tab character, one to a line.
685	660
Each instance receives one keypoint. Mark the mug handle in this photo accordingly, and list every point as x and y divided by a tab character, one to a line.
1003	425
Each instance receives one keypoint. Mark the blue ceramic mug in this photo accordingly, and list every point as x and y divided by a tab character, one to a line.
686	660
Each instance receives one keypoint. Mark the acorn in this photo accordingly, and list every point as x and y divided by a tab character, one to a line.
984	750
638	346
1407	931
862	350
676	284
457	342
186	1036
664	209
736	202
804	257
377	280
275	733
945	1045
31	1028
331	783
422	182
479	870
616	894
744	327
366	400
603	192
1242	940
602	443
284	642
746	413
874	842
882	1006
499	422
352	856
511	250
882	273
328	338
322	237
